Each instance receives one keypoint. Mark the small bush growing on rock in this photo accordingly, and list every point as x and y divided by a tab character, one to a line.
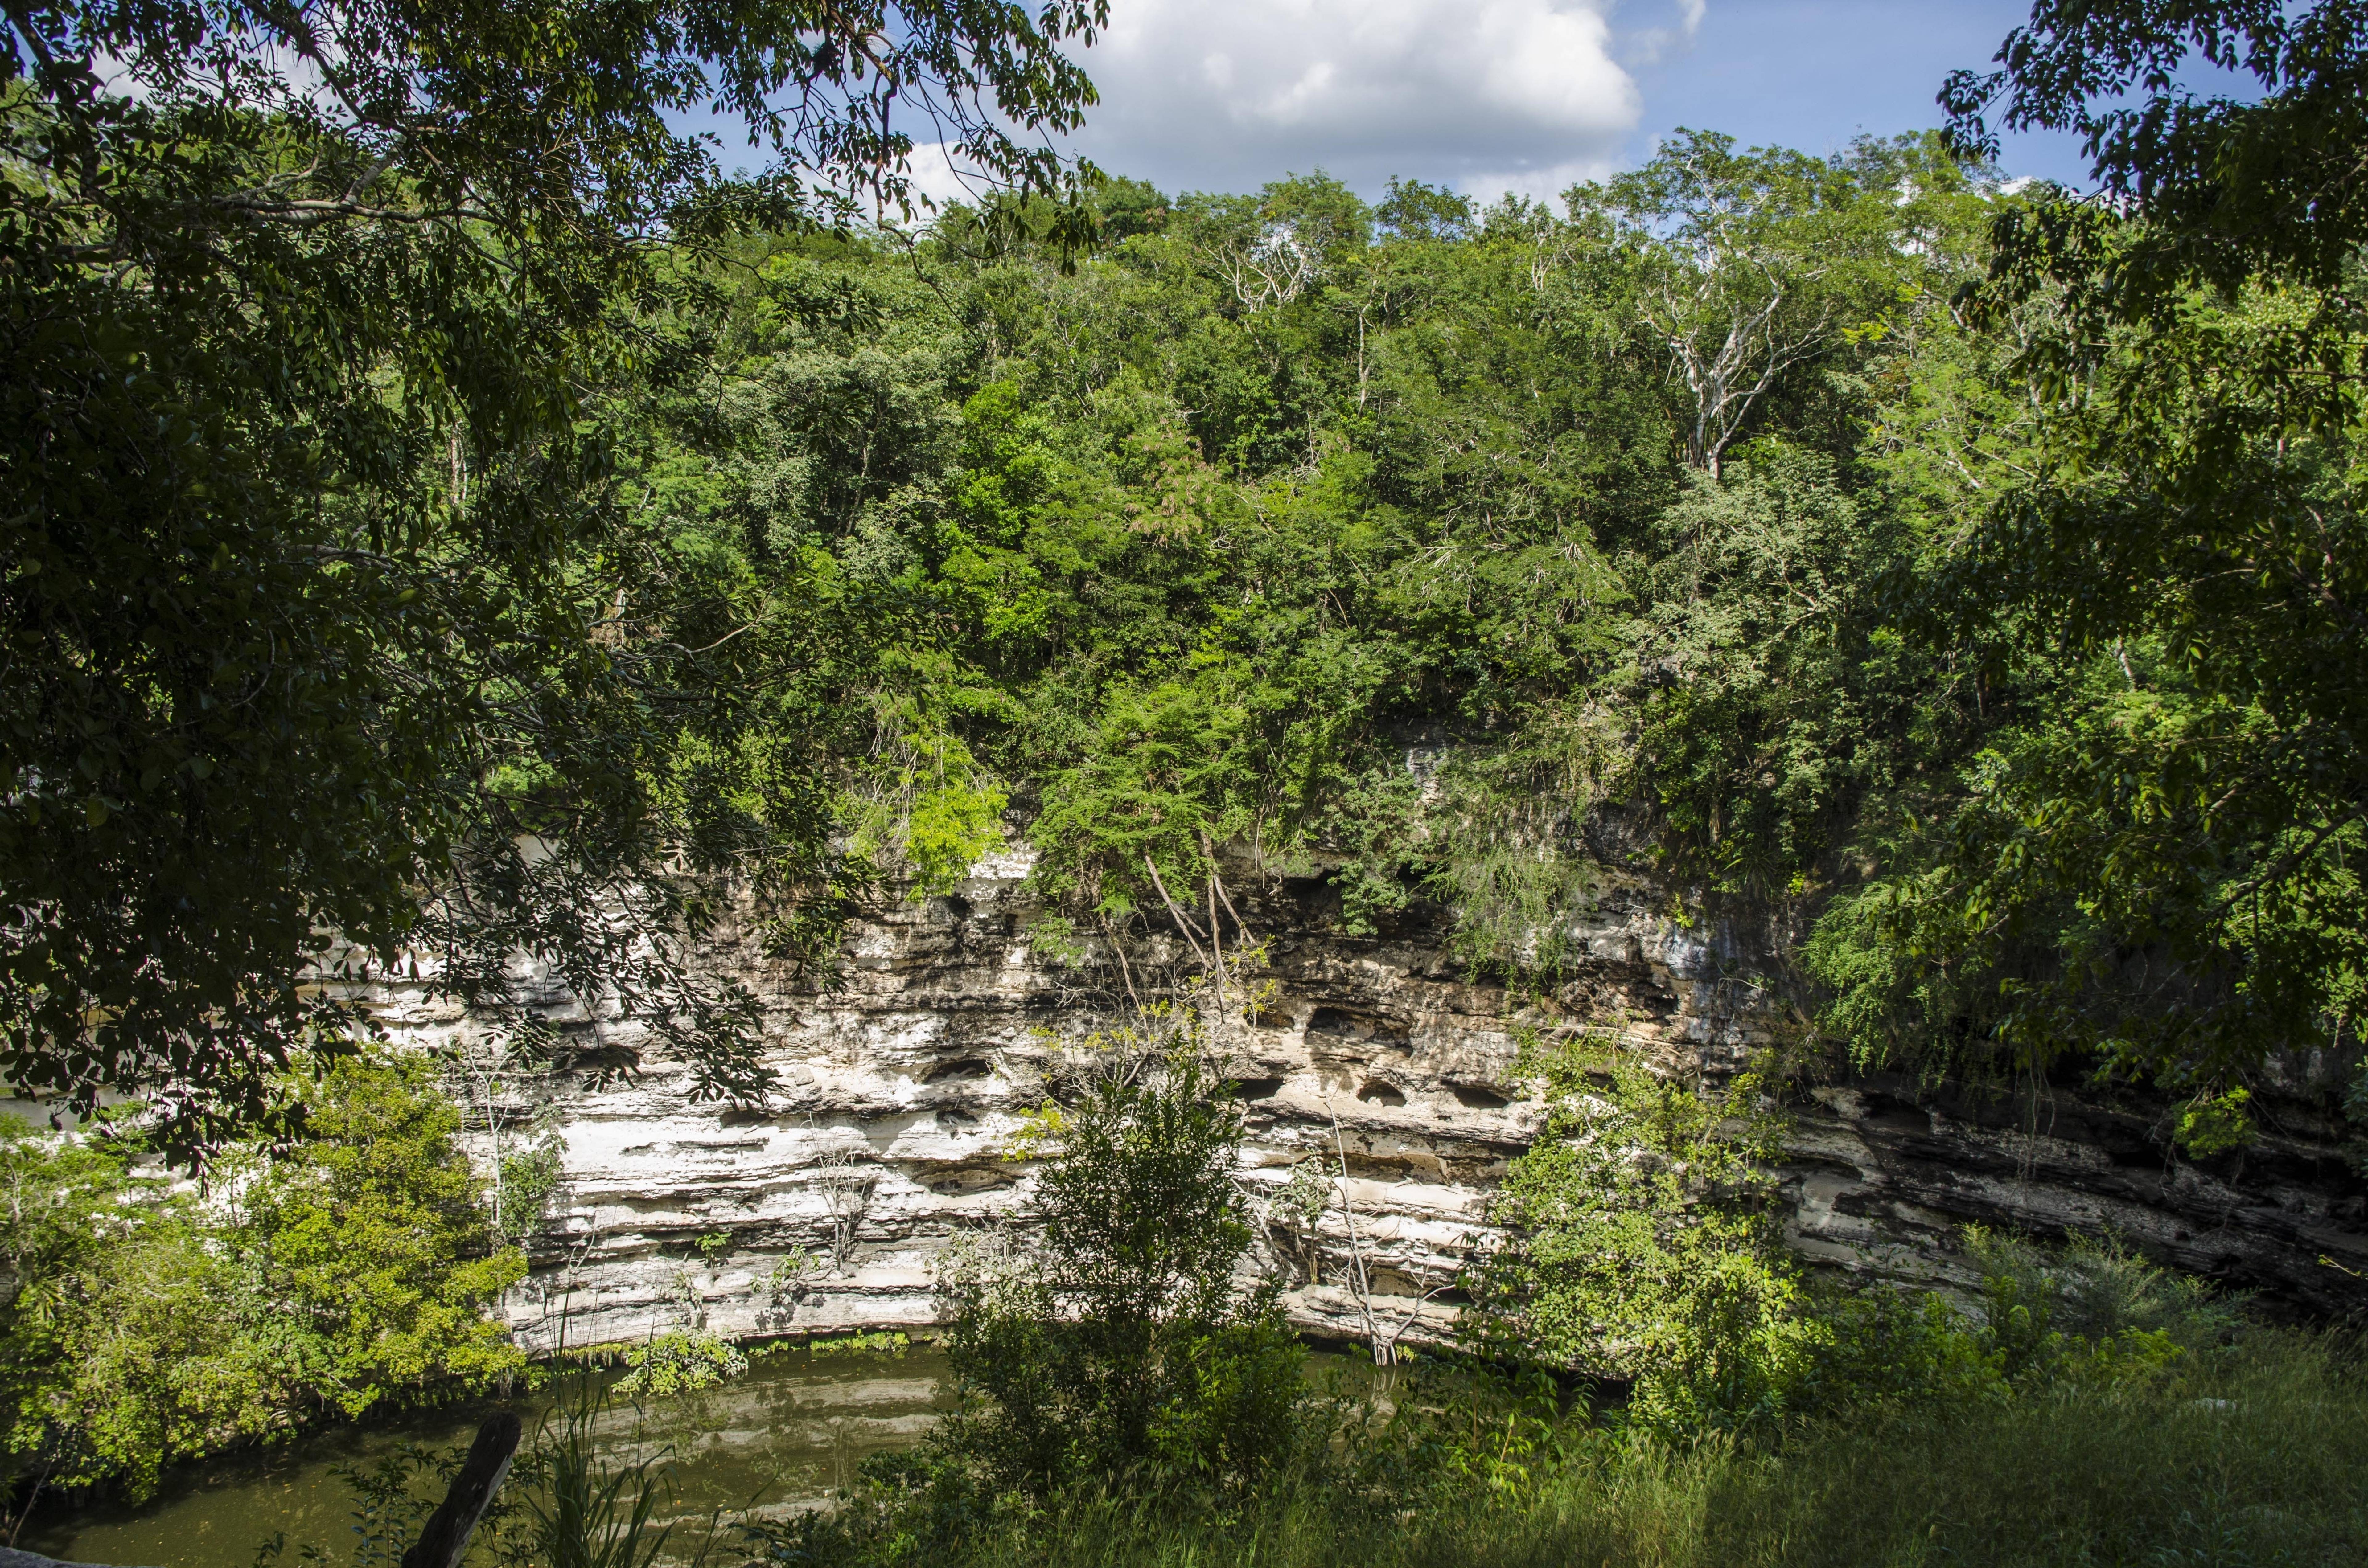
882	1344
680	1362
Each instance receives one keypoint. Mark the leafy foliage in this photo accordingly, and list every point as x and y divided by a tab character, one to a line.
325	611
1120	1338
1383	545
679	1361
2144	448
1645	1246
347	1273
375	1228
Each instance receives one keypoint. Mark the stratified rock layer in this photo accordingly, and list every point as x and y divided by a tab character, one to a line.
901	1091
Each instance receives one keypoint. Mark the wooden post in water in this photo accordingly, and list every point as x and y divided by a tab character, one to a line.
446	1535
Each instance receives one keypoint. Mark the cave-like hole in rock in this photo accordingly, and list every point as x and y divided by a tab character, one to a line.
603	1060
1379	1092
1339	1023
965	1180
1472	1096
1258	1088
956	1072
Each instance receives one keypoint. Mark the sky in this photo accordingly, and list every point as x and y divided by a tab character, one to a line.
1528	96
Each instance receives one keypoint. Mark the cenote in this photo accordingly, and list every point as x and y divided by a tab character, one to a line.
783	1435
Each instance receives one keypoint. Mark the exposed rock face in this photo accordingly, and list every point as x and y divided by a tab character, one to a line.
1890	1170
901	1092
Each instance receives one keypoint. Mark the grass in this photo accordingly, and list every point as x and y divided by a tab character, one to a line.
2251	1457
2256	1460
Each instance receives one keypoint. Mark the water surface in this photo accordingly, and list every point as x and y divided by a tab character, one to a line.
785	1433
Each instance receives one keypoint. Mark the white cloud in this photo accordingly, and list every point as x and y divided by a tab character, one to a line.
937	176
1648	46
1482	95
1539	182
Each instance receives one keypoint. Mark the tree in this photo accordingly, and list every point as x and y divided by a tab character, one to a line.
114	1313
142	1325
1642	1241
1762	671
1756	264
1123	1338
1272	248
2230	187
324	612
373	1235
2155	863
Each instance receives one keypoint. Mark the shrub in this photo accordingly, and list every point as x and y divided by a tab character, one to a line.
1645	1246
1118	1338
680	1362
335	1275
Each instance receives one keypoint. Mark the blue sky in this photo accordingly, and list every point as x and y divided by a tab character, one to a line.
1812	74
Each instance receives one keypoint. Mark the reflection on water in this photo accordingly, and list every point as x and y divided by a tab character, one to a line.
792	1429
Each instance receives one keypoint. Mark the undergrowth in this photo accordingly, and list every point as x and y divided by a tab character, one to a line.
2239	1454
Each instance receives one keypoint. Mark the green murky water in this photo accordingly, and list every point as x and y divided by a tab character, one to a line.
789	1431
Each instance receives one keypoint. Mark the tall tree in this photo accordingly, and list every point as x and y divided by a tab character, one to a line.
2158	862
1756	263
324	620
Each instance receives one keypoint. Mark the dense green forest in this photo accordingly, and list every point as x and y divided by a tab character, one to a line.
442	515
1733	499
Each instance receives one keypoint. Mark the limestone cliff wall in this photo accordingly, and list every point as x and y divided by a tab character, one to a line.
901	1089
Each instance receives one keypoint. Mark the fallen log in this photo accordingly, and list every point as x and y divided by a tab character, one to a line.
447	1534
